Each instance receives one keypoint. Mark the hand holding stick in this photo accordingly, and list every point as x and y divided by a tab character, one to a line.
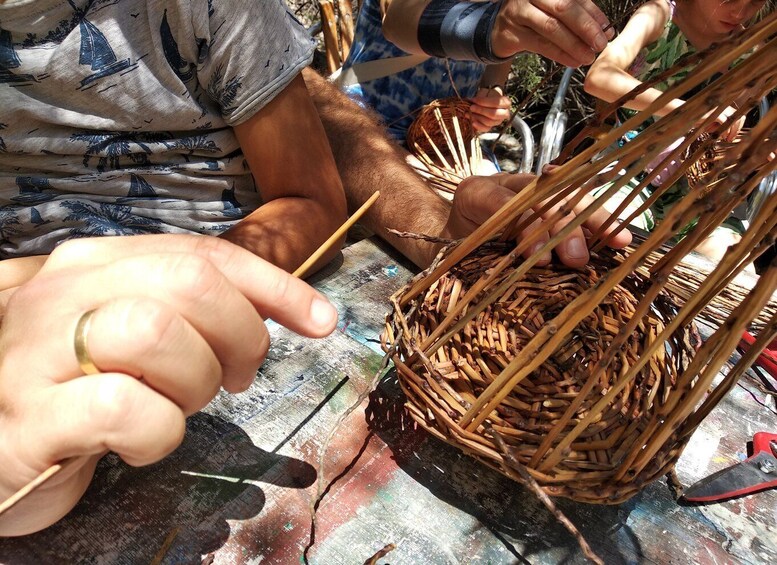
57	467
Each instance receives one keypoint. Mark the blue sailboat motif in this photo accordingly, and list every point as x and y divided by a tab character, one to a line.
232	208
140	188
32	190
10	60
183	69
180	66
36	219
97	52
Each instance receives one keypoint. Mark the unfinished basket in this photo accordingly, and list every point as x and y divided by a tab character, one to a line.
593	380
453	378
443	140
699	172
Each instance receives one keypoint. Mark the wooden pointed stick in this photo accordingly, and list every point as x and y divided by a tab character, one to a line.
302	269
449	141
57	467
461	147
437	151
11	501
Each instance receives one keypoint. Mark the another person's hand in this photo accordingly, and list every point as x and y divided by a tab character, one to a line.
478	198
175	319
570	32
490	108
732	127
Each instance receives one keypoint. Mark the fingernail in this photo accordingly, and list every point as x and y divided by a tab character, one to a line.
536	247
576	247
322	313
600	42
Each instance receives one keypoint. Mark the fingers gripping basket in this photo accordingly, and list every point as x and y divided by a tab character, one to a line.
592	380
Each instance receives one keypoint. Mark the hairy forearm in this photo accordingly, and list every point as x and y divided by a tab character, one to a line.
368	161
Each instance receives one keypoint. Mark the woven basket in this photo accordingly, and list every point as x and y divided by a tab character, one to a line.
595	468
444	141
588	383
434	128
702	173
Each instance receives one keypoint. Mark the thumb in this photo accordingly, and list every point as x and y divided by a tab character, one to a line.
106	412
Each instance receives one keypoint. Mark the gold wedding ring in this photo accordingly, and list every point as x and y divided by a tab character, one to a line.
82	351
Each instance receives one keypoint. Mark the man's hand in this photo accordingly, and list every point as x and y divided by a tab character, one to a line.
478	198
570	32
175	319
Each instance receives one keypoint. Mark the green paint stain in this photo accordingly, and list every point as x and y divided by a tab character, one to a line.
384	494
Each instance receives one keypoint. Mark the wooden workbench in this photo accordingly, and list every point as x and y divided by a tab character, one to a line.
239	489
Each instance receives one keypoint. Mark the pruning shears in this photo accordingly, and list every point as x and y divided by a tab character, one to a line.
756	473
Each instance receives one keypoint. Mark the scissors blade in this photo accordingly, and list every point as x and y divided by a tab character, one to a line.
755	474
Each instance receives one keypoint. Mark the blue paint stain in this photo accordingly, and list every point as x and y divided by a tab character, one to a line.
288	526
391	270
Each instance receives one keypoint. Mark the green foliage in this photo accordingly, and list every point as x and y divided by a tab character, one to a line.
527	80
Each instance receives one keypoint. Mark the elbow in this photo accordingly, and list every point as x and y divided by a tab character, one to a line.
594	84
591	83
398	34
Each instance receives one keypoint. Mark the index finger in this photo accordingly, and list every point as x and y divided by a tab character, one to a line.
272	291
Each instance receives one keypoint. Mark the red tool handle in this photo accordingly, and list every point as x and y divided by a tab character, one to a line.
761	442
766	359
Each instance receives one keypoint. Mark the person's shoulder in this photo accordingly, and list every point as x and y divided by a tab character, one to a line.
647	23
655	12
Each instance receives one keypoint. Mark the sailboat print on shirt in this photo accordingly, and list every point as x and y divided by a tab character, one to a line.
10	60
33	190
140	188
97	52
183	69
180	66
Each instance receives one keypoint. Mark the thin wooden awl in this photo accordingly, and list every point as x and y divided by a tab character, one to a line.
35	483
335	236
57	467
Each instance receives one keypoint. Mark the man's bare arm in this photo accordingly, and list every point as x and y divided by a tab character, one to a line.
290	159
367	161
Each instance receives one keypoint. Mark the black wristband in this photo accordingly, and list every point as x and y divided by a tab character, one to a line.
483	45
459	30
429	25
